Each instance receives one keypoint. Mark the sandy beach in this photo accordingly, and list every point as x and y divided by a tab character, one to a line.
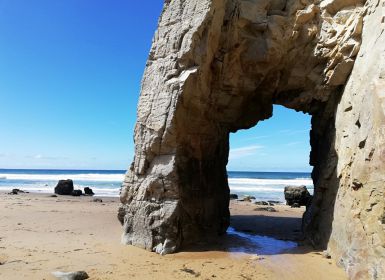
40	234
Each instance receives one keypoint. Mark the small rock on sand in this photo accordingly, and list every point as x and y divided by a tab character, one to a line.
274	201
256	258
261	203
88	191
17	191
77	275
76	193
268	209
190	271
326	254
97	200
248	198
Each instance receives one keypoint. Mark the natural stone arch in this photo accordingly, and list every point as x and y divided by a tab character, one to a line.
217	66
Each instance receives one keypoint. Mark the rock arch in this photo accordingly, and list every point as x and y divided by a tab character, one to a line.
217	66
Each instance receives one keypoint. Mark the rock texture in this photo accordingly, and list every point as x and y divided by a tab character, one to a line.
217	66
64	187
358	230
76	193
88	191
297	195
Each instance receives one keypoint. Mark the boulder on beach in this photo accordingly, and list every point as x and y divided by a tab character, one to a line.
77	193
64	187
88	191
262	203
17	191
274	202
297	196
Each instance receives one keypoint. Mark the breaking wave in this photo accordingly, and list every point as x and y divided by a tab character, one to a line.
55	177
266	182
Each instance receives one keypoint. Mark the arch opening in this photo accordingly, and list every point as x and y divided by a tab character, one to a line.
263	160
281	145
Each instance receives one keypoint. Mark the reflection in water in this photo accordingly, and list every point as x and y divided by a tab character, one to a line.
257	244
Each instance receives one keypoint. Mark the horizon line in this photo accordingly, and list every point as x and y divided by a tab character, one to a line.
77	169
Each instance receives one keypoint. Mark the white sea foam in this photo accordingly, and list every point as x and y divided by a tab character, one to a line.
75	177
110	192
256	189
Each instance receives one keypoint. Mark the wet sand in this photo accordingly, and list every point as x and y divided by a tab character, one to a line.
40	234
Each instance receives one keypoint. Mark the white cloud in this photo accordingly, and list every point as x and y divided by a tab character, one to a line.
42	157
244	151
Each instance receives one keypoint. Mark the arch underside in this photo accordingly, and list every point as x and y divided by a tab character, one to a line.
219	66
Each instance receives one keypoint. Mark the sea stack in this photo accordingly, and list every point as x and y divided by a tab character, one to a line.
217	66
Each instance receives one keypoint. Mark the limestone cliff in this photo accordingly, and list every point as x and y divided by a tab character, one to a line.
217	66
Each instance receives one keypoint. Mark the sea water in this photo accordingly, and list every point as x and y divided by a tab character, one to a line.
102	182
267	185
262	185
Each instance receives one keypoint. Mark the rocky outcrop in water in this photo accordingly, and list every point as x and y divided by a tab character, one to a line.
217	66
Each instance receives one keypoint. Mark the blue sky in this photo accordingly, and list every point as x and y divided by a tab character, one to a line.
70	75
280	143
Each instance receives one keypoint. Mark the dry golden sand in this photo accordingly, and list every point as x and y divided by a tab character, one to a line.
40	234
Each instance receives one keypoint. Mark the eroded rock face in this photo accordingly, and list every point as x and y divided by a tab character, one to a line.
217	66
358	232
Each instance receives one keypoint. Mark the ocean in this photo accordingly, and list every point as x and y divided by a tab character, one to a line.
262	185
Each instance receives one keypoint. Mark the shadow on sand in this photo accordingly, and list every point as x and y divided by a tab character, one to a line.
258	234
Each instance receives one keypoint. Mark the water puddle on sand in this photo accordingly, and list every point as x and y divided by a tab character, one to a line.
257	244
238	245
